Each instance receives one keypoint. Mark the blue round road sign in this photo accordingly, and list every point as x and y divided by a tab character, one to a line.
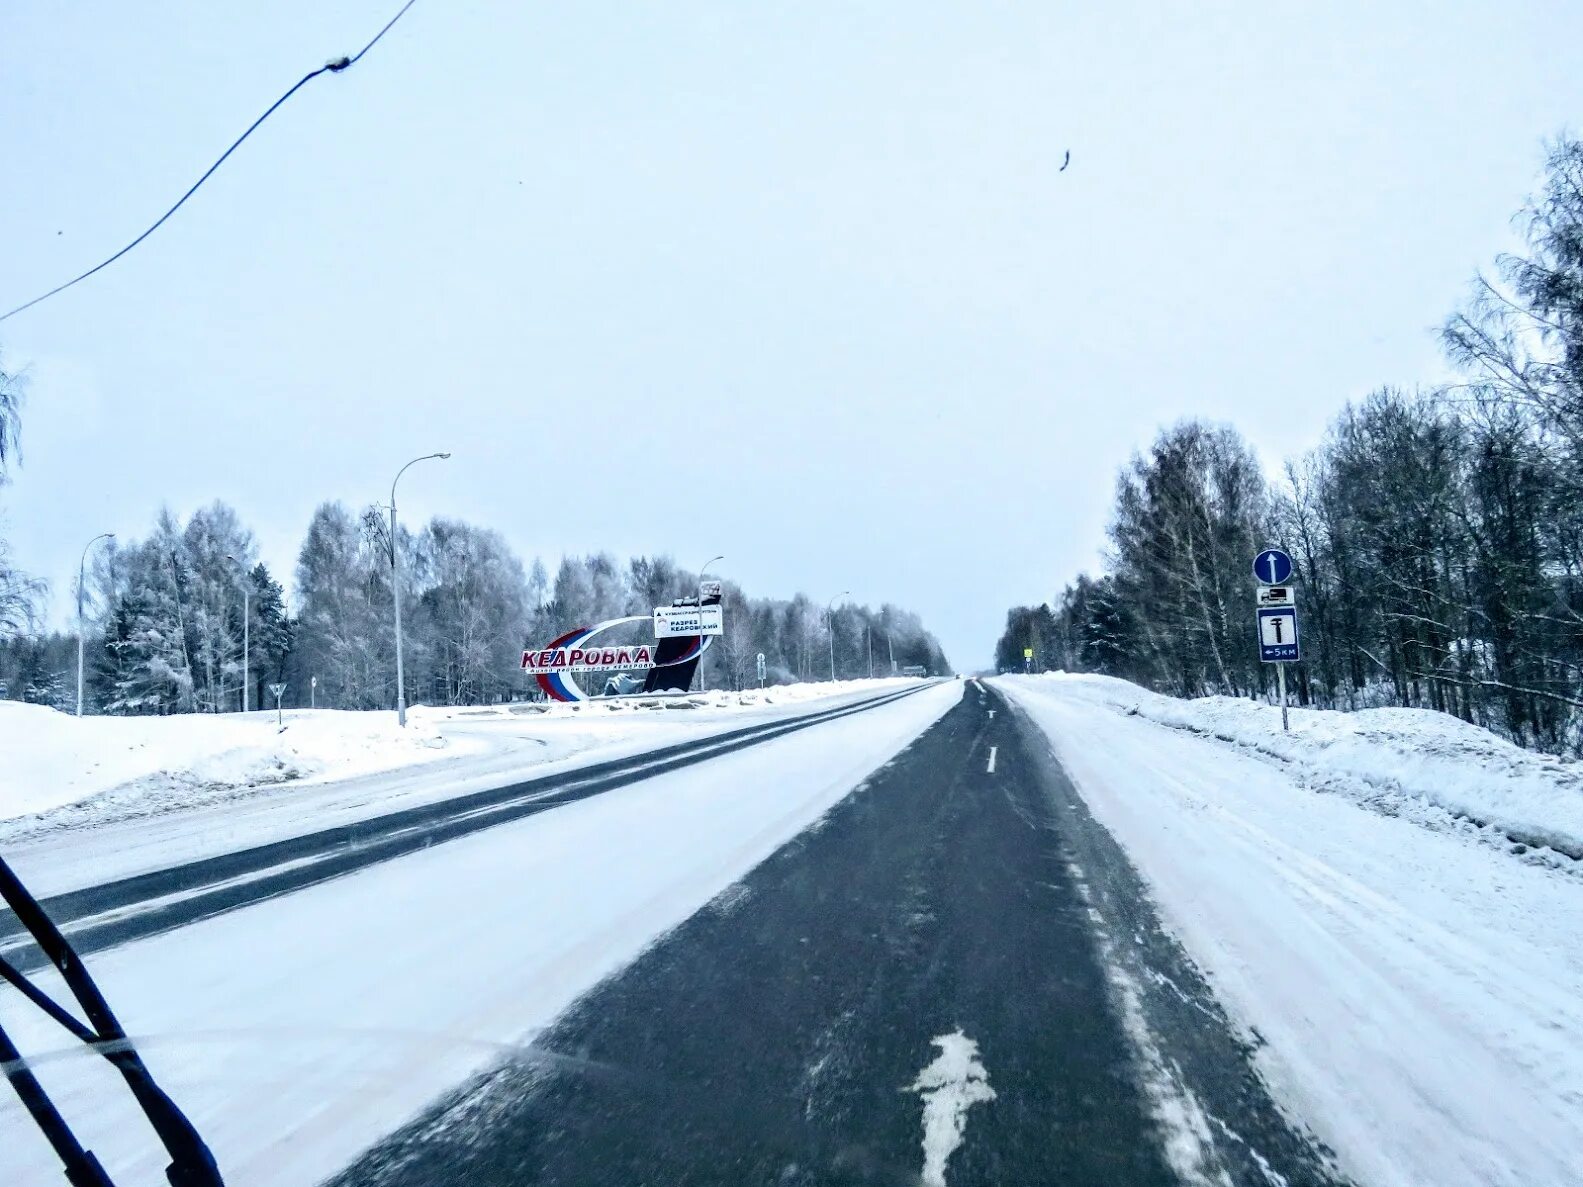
1273	567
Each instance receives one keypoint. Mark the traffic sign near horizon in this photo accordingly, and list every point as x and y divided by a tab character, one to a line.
1272	567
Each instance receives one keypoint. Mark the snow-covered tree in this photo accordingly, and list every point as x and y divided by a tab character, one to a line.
345	628
475	613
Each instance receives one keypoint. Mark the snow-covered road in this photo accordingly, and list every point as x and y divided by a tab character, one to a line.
297	1031
1417	994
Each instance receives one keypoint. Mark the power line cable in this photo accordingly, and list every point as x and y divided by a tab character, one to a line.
332	67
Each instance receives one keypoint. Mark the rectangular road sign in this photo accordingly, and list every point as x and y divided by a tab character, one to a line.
1276	595
671	622
1278	634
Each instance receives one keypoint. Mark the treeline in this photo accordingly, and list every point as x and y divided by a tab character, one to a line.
1438	534
165	620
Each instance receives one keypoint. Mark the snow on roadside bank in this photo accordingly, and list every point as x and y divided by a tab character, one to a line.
53	759
1408	762
61	769
1413	997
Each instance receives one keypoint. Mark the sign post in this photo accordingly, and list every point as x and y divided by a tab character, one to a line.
1027	659
278	691
1280	681
762	669
1275	615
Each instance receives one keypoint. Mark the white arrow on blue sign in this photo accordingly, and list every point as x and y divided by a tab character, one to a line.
1272	567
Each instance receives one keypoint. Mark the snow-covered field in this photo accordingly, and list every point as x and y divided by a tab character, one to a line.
298	1030
1417	990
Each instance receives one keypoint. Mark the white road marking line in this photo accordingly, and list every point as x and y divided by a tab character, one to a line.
955	1081
991	769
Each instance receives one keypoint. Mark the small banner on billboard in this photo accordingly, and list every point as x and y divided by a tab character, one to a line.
672	622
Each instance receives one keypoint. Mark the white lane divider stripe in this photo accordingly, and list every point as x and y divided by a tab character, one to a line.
991	768
954	1082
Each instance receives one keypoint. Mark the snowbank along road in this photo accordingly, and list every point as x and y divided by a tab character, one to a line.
1410	979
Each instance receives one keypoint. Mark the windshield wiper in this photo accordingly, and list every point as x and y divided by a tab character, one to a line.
192	1164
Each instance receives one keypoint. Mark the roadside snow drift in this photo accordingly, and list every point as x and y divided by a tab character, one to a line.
1412	762
1414	994
53	758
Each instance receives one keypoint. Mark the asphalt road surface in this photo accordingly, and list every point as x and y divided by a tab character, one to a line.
955	978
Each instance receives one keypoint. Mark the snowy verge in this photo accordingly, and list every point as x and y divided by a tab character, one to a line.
1414	996
1434	769
53	759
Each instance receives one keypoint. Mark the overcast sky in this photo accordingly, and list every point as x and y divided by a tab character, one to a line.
799	284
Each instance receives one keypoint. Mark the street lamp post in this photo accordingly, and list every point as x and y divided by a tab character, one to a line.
395	585
247	619
82	567
703	680
829	619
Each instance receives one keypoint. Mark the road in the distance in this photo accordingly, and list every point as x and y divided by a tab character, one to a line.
919	991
